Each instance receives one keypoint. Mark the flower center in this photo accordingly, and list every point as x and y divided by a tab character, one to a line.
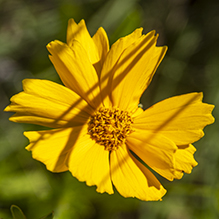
110	127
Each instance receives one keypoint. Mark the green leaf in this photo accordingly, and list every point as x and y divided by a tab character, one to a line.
17	212
48	216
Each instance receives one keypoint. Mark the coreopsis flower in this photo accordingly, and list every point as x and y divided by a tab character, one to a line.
98	131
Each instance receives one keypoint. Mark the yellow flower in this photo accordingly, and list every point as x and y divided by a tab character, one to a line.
99	134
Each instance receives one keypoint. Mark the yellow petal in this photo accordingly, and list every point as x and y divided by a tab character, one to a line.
184	158
80	33
155	189
52	147
48	104
131	178
155	150
134	71
101	41
76	70
137	112
89	162
112	58
180	118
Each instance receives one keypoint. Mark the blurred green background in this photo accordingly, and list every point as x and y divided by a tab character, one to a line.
191	31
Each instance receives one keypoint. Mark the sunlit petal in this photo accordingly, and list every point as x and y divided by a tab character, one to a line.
155	150
80	33
184	158
180	118
112	58
89	162
102	43
131	179
134	71
48	104
52	147
75	70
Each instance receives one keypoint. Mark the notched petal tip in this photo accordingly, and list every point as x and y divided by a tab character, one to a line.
50	44
13	100
71	22
74	28
164	48
211	108
7	109
54	46
184	160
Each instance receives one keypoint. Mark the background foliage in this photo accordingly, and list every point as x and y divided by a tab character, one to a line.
191	31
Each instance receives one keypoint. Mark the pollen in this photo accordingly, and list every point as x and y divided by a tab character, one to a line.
110	127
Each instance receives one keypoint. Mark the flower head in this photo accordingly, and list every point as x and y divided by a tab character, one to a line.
98	131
